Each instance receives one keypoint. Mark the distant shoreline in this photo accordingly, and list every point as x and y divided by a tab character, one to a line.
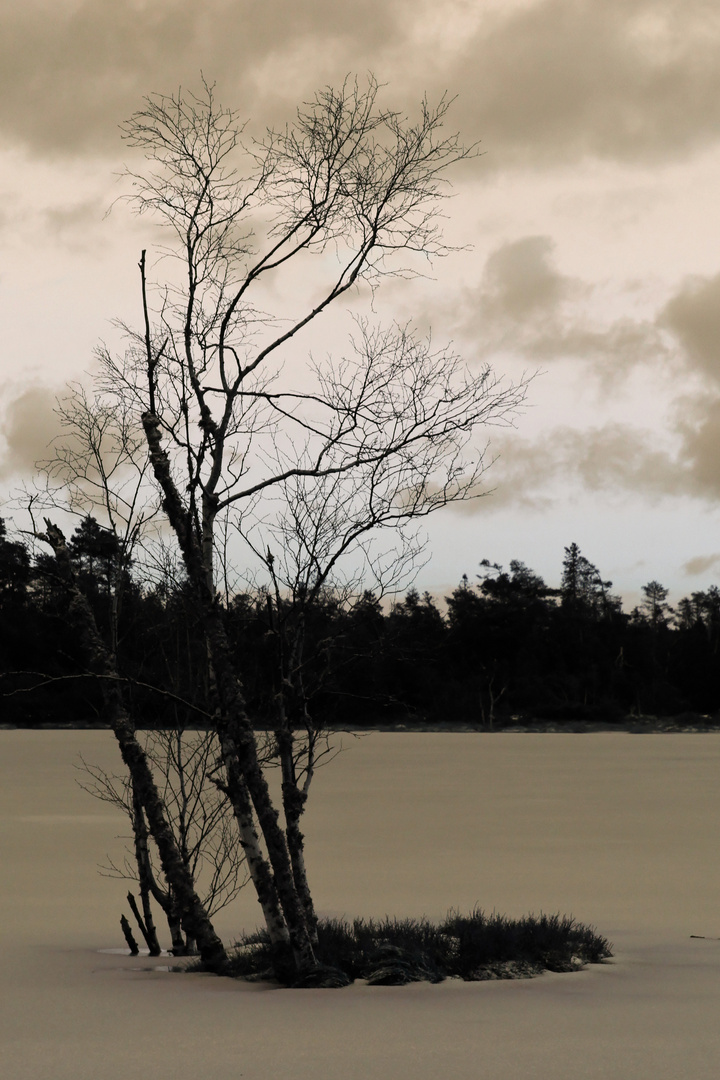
643	725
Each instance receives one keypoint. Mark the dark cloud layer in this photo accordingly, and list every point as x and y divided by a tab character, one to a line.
633	80
547	81
71	74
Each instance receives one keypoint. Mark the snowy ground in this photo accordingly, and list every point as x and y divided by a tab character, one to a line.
620	830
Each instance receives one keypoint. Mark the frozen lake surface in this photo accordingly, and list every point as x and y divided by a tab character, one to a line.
619	830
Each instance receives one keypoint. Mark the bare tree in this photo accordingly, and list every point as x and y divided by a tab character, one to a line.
310	463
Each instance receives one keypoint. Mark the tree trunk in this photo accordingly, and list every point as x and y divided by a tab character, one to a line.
296	847
260	872
153	942
150	887
147	932
172	913
241	762
294	801
128	935
237	793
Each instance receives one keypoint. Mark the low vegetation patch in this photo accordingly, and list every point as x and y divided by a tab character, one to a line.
393	952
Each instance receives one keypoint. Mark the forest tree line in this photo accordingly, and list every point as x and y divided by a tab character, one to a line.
506	646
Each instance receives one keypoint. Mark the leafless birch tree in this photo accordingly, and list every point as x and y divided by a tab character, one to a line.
310	463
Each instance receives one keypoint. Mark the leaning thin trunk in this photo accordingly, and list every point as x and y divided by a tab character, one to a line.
196	922
154	945
142	859
163	897
293	796
150	941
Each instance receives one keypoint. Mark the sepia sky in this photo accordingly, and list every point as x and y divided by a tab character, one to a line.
590	227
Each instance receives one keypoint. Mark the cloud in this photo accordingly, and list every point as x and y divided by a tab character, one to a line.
534	473
524	305
557	80
700	564
521	281
613	349
541	82
699	425
68	218
75	226
611	459
693	316
71	74
29	426
519	293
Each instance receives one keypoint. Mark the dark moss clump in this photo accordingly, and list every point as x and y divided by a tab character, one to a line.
393	952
